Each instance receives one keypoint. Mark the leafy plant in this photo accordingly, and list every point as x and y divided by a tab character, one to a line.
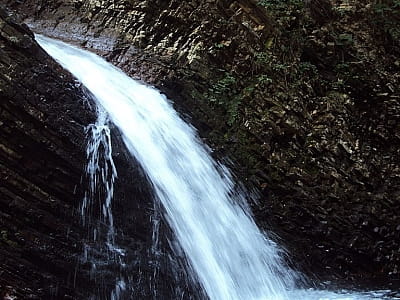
262	58
307	67
344	39
286	11
224	93
221	89
279	4
264	79
388	17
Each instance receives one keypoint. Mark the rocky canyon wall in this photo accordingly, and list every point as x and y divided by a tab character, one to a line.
303	97
43	115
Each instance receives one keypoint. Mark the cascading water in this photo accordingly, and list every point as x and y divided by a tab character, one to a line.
96	211
225	250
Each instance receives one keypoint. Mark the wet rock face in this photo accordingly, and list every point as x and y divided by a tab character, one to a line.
304	99
41	158
43	115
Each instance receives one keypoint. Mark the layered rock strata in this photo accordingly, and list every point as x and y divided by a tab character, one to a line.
304	99
43	115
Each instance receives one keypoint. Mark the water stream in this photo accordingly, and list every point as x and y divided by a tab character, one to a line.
227	253
100	248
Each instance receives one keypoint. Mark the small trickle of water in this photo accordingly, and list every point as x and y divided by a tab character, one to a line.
155	251
229	256
96	208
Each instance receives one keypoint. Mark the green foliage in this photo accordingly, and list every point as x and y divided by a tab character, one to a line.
233	109
222	44
224	93
222	88
285	11
229	92
339	85
269	66
262	58
279	67
263	78
388	17
383	7
344	39
280	5
5	239
347	75
268	62
342	68
307	68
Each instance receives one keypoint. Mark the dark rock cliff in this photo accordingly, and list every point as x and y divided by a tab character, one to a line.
41	153
43	116
302	97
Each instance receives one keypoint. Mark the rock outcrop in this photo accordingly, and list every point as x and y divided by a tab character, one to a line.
306	105
41	151
43	115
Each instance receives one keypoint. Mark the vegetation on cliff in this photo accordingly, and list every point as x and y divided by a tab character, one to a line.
302	96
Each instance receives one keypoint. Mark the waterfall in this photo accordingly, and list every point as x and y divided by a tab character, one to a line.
226	252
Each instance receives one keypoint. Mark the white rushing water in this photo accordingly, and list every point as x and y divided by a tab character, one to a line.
229	255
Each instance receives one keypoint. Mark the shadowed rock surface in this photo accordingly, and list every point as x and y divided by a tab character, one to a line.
304	100
42	143
44	112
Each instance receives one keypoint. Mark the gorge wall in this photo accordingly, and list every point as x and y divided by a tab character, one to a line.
303	97
41	162
43	115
